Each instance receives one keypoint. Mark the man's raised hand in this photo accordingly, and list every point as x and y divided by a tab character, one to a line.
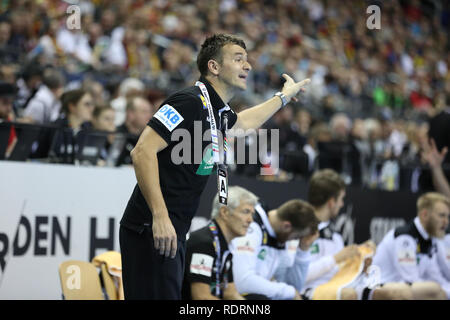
292	88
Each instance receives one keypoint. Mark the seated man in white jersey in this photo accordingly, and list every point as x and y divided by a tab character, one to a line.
443	257
434	158
326	194
276	238
410	253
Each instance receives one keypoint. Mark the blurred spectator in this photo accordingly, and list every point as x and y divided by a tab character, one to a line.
75	44
340	125
290	137
304	120
7	92
28	85
8	72
400	71
103	120
440	128
77	109
8	53
319	133
139	111
45	106
97	91
129	87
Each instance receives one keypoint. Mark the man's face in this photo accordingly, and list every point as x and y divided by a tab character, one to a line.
5	107
239	219
338	204
142	112
5	32
437	220
105	121
235	67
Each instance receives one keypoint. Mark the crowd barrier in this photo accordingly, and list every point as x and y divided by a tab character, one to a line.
50	213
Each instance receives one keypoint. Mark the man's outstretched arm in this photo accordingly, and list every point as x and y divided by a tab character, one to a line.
434	158
254	117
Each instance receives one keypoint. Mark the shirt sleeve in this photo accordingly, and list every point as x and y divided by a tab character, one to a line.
296	274
35	110
200	259
326	263
405	259
246	278
435	274
320	267
232	118
177	112
443	257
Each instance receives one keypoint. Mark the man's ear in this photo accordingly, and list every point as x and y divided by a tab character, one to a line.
213	67
424	213
331	202
286	226
223	212
71	108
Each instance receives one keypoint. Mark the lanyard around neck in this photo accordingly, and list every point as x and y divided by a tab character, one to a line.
222	175
214	137
213	228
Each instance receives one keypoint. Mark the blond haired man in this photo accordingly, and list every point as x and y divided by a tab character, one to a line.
409	253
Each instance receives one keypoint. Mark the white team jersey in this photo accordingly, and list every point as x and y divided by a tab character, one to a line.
258	255
323	266
444	255
409	254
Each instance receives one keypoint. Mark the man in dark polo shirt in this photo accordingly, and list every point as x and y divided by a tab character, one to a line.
166	197
209	273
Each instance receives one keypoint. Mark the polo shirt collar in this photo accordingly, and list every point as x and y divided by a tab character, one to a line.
323	225
222	240
265	219
216	100
421	229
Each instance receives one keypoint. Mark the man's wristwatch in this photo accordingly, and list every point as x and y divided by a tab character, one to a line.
284	101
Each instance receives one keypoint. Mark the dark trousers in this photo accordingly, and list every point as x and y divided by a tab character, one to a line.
146	274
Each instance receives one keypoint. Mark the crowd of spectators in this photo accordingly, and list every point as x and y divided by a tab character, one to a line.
372	90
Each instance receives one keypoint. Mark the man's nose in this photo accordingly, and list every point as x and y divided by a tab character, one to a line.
247	66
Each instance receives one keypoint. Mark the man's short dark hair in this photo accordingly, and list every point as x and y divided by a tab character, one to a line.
71	97
212	49
53	79
299	213
324	185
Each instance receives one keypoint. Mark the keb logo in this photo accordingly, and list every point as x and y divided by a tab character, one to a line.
73	22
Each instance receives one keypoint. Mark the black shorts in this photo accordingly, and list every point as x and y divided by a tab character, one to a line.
146	274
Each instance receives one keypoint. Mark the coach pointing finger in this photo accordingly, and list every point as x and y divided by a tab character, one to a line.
164	201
